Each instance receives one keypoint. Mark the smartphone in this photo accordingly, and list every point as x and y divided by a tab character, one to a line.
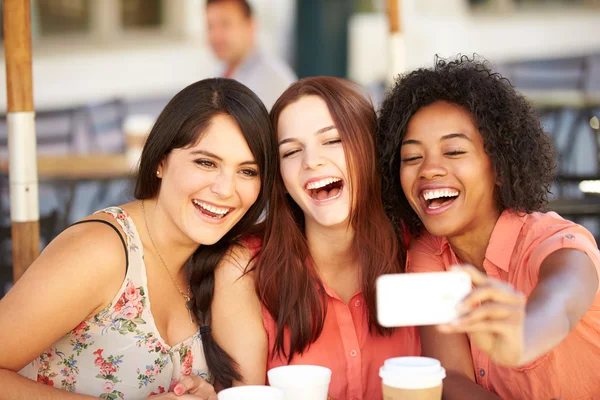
416	299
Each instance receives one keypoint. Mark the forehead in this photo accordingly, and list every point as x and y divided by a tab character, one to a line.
225	9
438	119
303	117
224	138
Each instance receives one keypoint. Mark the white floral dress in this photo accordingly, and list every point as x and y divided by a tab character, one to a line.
118	353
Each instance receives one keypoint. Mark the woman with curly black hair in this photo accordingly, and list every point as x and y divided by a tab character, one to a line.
467	169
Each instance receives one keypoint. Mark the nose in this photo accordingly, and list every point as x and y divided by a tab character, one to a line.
312	158
431	168
223	185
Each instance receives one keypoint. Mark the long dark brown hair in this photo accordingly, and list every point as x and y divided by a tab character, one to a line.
182	123
288	286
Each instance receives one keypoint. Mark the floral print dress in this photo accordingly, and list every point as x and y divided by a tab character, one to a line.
118	353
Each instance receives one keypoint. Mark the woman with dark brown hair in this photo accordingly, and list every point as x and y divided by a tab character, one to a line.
327	239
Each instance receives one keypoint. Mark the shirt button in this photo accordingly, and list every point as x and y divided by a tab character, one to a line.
482	372
357	303
353	353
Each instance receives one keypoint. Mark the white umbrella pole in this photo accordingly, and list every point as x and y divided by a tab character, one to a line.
24	201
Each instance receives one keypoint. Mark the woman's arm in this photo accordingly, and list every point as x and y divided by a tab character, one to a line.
74	278
237	323
567	285
514	331
17	387
454	352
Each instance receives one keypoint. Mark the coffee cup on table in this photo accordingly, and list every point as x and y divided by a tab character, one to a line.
412	378
251	393
136	129
301	382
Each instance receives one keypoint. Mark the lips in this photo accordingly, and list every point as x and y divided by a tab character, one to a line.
437	199
212	210
325	188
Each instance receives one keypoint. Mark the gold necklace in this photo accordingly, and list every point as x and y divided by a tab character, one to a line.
188	300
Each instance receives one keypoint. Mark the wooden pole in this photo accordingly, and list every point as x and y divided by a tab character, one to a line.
394	16
397	45
24	202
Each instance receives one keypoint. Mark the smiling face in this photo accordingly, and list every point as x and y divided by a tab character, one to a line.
313	162
445	173
208	187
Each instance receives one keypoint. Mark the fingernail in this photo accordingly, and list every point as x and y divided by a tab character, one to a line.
463	308
178	391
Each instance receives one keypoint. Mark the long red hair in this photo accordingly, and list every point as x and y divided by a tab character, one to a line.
289	287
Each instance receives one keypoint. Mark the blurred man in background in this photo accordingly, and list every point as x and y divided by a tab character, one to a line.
232	36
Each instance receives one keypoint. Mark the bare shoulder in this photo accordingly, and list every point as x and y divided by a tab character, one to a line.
81	270
89	243
236	265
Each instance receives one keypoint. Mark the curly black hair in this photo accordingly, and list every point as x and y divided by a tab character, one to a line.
522	154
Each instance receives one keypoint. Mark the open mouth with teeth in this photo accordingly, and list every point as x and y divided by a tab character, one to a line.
437	198
325	189
210	210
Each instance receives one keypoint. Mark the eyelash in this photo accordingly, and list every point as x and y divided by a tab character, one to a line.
248	172
450	153
410	159
205	163
289	153
329	142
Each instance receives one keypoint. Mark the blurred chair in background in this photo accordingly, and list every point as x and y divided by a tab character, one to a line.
567	94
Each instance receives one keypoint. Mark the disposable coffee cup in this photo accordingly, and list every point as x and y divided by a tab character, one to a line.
251	393
412	378
301	382
136	129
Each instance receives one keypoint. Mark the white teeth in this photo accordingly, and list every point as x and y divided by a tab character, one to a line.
437	193
212	209
322	183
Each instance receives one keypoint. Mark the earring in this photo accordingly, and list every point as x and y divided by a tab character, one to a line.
157	173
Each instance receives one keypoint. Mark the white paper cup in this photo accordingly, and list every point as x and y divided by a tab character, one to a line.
412	378
301	382
251	393
136	129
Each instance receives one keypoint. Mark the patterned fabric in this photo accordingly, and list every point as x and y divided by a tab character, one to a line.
118	353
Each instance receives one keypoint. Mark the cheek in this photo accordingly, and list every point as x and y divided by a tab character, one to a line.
189	180
249	191
407	178
288	172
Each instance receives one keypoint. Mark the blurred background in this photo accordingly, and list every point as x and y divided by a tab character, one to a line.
104	69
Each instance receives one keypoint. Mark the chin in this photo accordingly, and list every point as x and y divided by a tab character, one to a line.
440	229
332	220
208	240
207	237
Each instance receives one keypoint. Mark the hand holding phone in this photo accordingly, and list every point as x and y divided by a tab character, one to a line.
415	299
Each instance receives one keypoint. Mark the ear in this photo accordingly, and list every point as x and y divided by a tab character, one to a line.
160	169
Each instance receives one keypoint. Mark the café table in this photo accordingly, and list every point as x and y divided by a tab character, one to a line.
67	172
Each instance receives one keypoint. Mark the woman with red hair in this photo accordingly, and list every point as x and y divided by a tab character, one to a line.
306	293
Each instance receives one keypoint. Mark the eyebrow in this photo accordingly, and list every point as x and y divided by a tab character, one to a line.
318	132
445	137
212	155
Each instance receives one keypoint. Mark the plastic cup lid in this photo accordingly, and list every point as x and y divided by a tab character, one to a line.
412	372
298	375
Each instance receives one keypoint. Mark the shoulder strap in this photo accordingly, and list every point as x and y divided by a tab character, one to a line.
118	233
